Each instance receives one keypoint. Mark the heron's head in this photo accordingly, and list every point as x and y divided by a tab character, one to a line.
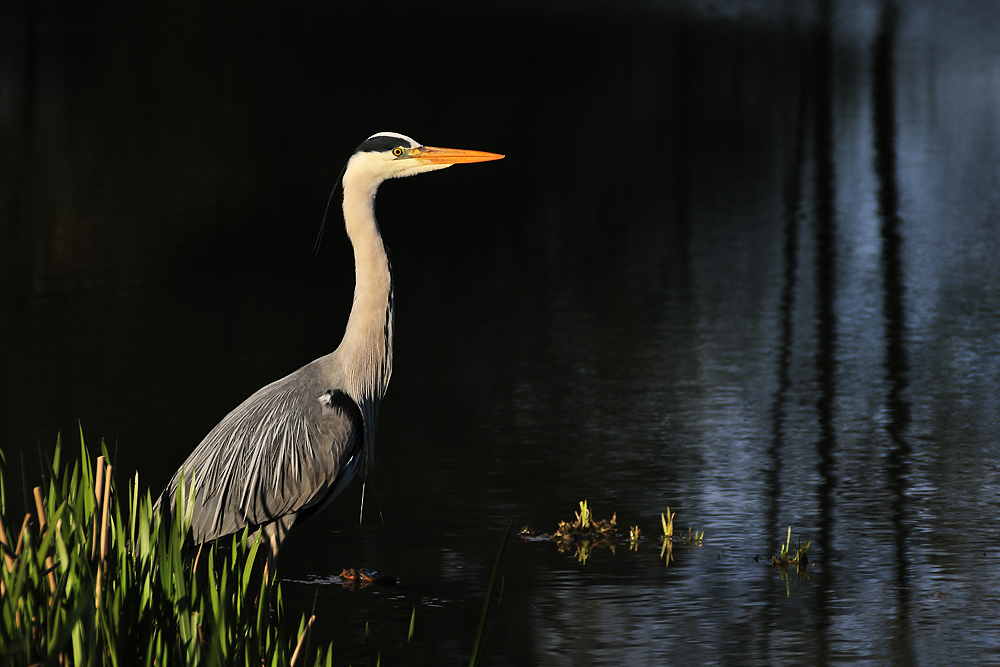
391	155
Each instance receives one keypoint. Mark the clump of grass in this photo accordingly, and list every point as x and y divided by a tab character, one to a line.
583	516
787	556
694	538
668	523
797	557
585	533
633	537
667	548
95	577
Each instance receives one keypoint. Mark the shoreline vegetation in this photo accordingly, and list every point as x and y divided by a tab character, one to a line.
93	576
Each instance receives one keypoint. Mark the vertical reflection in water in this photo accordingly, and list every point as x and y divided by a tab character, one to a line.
779	410
825	226
894	292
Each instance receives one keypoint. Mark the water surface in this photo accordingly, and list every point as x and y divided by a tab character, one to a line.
738	263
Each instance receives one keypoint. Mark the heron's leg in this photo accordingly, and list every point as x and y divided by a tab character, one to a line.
275	532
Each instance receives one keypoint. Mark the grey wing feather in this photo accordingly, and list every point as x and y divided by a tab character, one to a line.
285	449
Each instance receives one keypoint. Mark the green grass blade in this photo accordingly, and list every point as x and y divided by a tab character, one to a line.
480	641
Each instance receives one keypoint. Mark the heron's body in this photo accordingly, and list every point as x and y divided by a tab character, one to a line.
291	447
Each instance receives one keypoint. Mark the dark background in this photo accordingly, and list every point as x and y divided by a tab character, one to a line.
740	260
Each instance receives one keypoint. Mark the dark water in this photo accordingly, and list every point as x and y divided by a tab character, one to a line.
740	261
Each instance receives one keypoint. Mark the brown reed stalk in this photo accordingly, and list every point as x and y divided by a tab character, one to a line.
97	508
104	516
101	564
40	507
302	638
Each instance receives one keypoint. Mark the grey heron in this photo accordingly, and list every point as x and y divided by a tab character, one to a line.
285	453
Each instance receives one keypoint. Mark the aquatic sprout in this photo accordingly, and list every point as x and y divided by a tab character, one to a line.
585	534
583	516
787	556
633	536
694	538
668	523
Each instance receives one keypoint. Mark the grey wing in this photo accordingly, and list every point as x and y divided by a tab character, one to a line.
287	448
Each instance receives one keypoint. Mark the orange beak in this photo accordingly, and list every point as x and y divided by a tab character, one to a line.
433	155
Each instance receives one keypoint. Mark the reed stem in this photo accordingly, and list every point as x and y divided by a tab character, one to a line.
302	638
40	507
98	485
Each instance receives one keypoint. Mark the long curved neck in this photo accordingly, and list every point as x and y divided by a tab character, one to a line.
366	350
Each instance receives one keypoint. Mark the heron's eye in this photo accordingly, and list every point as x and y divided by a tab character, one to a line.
398	151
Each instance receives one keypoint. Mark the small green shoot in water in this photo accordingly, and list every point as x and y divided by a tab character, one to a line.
787	556
583	516
668	523
667	548
694	538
